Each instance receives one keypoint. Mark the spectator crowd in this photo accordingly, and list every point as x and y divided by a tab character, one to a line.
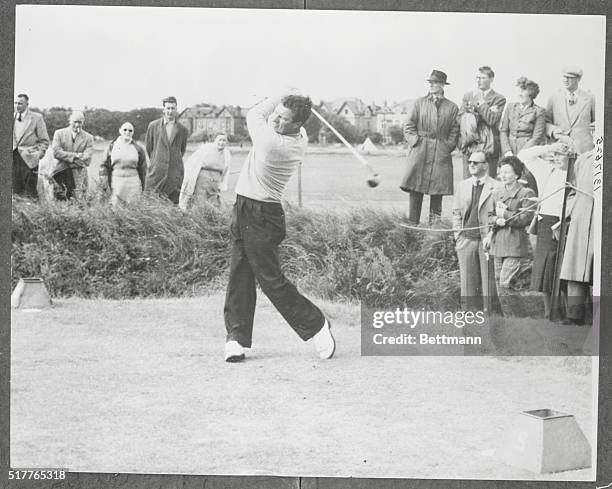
524	205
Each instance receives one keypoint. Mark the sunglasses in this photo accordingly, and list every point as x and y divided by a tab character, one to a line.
128	130
476	162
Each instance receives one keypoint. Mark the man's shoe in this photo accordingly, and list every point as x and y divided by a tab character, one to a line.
234	352
324	342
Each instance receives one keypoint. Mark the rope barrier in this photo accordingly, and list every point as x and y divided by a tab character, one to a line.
454	230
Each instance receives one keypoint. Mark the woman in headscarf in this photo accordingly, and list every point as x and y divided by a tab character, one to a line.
124	167
206	174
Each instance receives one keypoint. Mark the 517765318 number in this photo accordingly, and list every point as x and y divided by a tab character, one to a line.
598	164
37	474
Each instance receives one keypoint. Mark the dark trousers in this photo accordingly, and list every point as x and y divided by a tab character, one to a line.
174	196
578	300
25	179
64	185
257	229
416	202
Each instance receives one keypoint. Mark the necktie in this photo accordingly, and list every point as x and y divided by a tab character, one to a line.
572	98
19	116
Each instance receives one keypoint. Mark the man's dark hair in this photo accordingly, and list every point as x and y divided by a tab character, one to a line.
170	100
516	164
23	95
487	71
300	107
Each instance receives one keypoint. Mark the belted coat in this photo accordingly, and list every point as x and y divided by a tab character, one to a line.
431	133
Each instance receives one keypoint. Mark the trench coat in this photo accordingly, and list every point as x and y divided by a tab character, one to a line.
166	170
432	135
577	263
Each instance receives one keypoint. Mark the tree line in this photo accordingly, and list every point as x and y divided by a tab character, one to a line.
102	122
351	133
105	124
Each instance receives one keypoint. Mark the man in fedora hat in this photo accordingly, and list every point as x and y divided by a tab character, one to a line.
431	133
487	106
570	108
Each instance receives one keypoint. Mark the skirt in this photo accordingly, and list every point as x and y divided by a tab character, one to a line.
207	189
126	187
543	272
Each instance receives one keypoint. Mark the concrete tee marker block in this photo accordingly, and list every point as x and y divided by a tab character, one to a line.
30	293
545	441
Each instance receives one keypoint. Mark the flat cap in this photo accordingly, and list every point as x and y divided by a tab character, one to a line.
572	70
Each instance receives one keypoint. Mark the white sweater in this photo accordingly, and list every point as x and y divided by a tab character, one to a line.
273	158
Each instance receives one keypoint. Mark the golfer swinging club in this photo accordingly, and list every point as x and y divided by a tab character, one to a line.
258	227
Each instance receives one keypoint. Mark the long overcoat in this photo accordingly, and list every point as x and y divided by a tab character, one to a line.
166	170
578	255
432	135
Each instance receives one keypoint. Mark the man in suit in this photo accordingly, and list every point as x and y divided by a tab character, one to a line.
166	142
570	108
488	106
30	141
73	148
472	206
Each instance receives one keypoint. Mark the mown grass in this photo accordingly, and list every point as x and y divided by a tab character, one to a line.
152	249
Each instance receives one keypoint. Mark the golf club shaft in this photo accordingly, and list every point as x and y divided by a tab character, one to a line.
346	143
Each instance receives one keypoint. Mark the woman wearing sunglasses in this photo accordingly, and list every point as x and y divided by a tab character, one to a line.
125	166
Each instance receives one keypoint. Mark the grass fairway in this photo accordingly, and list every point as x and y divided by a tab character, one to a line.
334	178
141	386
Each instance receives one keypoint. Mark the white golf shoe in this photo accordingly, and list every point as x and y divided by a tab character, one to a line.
234	352
324	342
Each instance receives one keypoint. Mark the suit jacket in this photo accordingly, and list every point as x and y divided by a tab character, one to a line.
166	169
558	116
65	150
462	201
488	113
34	141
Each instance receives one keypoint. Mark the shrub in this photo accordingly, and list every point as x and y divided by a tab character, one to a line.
396	133
375	137
152	249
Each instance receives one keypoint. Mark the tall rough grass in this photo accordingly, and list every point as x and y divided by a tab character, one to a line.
152	249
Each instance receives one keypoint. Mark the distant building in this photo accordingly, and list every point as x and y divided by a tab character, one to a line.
207	118
395	115
372	118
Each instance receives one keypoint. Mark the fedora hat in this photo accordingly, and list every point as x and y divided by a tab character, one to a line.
438	76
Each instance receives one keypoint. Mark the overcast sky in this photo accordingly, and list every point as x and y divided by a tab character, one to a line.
122	58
